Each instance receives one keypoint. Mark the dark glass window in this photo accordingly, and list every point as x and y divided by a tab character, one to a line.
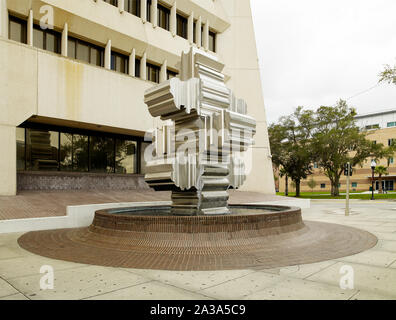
132	6
20	147
323	185
202	37
148	10
119	62
84	51
112	2
171	74
73	152
17	29
42	149
126	160
101	151
212	41
163	17
143	147
153	73
137	68
195	32
182	26
47	39
66	152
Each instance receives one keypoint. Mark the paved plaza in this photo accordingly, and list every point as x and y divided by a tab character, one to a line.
374	270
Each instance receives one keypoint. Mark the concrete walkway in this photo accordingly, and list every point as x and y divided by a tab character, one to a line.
374	270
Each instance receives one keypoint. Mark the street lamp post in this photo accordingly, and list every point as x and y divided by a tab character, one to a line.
373	165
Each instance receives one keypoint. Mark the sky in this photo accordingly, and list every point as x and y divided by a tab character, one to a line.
314	52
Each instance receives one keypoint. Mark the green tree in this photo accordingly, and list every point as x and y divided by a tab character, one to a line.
291	147
338	140
312	183
388	74
381	171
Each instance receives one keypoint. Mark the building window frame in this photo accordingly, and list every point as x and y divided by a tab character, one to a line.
132	5
45	33
153	69
23	24
91	47
181	26
163	17
115	56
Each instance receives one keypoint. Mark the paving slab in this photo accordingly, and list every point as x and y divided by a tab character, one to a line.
17	296
191	280
242	287
78	283
374	279
372	257
6	289
297	289
369	295
153	290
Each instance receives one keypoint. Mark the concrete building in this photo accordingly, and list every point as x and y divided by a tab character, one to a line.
381	128
73	75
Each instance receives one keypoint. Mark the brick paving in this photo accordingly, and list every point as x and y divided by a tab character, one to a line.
34	204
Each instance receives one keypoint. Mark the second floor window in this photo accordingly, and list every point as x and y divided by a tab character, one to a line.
119	62
137	68
212	41
132	6
84	51
112	2
182	26
47	39
163	17
153	73
17	30
170	74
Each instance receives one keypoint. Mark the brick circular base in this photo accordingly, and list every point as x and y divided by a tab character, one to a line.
200	243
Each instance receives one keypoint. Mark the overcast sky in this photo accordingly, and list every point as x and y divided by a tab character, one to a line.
314	52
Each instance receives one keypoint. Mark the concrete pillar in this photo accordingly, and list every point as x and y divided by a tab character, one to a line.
65	33
206	35
107	58
30	29
132	60
3	19
143	69
154	13
163	71
121	5
198	31
8	180
172	22
143	10
190	27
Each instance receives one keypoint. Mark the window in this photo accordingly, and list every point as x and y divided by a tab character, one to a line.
20	147
132	6
372	126
170	74
390	160
391	142
42	149
17	29
315	165
323	185
195	32
148	11
47	39
112	2
153	73
375	142
137	68
126	160
354	184
70	150
182	26
101	154
391	124
212	41
84	51
163	17
119	62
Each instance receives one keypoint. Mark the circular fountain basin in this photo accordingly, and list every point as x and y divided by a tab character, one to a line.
252	236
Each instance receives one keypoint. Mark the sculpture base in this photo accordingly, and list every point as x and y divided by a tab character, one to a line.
199	203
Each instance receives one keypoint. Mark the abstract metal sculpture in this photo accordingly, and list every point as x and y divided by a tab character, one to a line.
198	152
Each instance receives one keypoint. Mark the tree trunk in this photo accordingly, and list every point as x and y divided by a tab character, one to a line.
381	190
335	187
286	185
297	182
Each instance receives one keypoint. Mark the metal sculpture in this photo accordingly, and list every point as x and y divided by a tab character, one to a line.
198	152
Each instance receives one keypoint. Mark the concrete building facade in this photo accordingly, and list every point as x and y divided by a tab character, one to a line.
381	128
73	75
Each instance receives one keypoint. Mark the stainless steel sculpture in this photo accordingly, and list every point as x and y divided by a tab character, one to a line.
198	152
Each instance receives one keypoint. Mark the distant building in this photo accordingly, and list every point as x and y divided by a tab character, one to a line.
381	126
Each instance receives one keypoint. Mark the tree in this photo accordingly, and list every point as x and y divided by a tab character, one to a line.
338	140
291	147
282	173
312	184
388	75
381	171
